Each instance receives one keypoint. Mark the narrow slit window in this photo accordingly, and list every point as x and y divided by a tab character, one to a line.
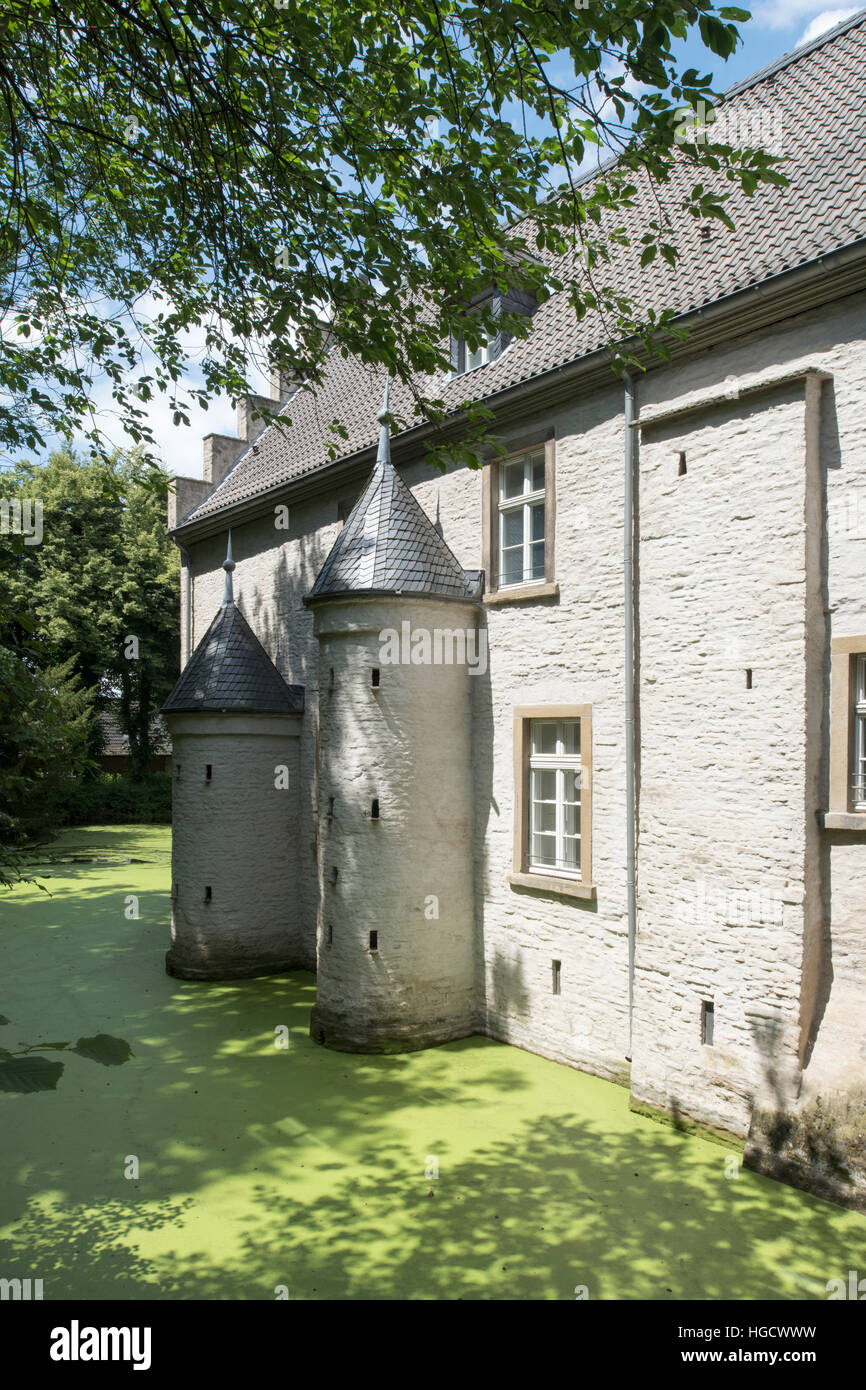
335	873
330	808
557	976
207	893
208	772
374	941
681	466
329	937
708	1022
330	678
374	808
177	770
374	677
748	677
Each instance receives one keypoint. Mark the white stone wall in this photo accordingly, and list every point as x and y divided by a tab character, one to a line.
741	899
406	875
730	864
237	835
722	784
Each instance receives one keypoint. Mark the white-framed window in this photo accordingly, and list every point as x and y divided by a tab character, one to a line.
477	358
522	520
858	780
554	796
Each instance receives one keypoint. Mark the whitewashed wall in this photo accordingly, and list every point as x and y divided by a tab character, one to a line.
728	786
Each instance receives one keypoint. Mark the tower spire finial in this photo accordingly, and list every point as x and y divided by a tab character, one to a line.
228	566
384	454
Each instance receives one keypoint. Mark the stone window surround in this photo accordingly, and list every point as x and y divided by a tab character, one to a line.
519	593
521	876
843	667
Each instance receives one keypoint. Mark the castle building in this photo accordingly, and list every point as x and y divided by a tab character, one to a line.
568	749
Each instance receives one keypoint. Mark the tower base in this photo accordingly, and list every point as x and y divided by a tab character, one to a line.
344	1033
227	970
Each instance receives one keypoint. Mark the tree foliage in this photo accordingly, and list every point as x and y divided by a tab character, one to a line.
244	168
46	720
98	594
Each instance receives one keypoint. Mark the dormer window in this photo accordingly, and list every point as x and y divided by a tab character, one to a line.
477	358
465	358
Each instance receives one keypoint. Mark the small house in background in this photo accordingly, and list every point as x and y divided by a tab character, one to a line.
116	756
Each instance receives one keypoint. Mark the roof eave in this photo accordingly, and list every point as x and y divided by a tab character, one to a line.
806	286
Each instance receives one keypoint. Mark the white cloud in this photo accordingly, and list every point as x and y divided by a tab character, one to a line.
823	21
784	14
781	14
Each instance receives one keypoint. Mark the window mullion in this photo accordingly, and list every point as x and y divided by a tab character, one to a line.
560	818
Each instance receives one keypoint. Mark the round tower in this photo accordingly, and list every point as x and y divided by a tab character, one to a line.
235	727
400	648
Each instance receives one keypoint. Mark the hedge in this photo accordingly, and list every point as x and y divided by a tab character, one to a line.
109	799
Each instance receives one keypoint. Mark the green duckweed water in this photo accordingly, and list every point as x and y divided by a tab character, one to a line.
304	1168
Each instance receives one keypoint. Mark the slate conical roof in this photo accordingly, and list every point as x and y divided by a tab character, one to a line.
230	669
389	544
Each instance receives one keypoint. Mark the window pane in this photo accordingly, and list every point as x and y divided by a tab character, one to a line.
544	850
544	784
572	819
477	358
536	532
543	736
511	479
860	759
512	528
572	787
512	566
537	560
544	817
572	854
538	473
571	736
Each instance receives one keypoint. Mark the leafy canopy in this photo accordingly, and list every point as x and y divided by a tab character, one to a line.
104	573
243	169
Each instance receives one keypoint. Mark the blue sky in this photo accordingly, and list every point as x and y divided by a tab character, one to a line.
776	28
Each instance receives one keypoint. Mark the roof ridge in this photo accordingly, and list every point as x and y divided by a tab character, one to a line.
795	54
743	85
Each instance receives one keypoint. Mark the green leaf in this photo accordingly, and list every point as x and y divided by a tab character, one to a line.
103	1048
27	1074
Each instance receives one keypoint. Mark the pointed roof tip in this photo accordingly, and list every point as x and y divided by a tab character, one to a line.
228	566
384	453
230	671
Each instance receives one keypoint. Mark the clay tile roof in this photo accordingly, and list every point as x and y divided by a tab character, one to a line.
230	670
390	545
115	743
808	106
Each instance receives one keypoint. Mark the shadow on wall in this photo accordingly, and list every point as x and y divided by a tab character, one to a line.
509	995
